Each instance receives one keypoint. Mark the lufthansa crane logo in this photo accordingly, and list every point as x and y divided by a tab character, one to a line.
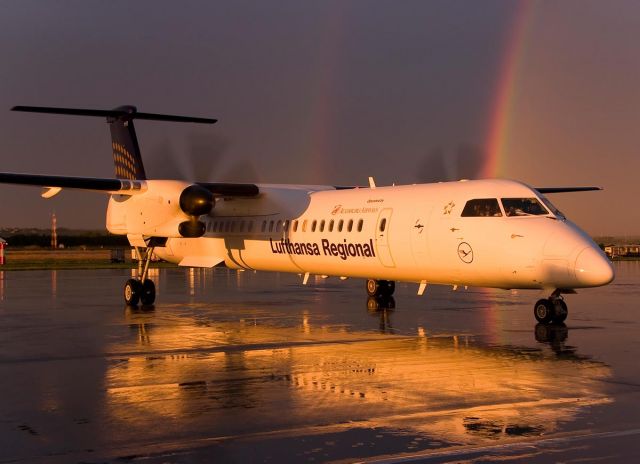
465	252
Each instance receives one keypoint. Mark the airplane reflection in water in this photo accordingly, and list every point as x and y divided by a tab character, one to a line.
454	389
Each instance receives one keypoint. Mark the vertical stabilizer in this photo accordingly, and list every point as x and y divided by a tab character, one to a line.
124	143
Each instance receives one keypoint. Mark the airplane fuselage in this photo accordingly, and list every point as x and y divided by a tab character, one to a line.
414	233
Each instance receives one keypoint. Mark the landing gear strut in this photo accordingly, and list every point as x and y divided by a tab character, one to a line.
141	289
380	287
551	310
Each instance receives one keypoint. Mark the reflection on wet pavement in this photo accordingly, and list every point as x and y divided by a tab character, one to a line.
254	367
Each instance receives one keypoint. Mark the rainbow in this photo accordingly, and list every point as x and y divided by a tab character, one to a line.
502	111
321	105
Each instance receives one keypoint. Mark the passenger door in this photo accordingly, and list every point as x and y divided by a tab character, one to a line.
383	227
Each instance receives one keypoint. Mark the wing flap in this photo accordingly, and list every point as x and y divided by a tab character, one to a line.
200	261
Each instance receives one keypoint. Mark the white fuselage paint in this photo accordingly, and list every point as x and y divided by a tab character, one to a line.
411	233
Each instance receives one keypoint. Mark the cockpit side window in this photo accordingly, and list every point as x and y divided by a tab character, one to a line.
523	207
482	207
551	207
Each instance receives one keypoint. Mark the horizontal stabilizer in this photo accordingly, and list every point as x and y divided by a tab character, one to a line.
544	190
125	112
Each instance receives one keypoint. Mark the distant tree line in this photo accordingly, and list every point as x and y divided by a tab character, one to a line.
74	241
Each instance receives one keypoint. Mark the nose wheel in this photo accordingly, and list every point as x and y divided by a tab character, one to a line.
141	289
551	310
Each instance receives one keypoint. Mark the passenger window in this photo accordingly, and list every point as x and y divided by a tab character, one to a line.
242	226
295	226
360	224
350	226
322	226
264	226
331	225
313	226
270	226
233	226
286	226
523	207
304	225
250	226
383	224
340	224
227	226
482	207
278	226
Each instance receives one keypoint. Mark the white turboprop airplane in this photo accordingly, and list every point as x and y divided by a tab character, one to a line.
489	233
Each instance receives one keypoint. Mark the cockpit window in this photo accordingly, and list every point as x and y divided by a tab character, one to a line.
523	207
482	207
551	207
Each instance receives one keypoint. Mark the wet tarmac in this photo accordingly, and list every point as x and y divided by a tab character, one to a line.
254	367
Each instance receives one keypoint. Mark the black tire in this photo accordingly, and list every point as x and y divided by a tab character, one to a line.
132	292
544	311
148	294
373	287
380	287
389	287
561	311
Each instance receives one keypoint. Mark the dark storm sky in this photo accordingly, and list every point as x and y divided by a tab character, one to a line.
323	92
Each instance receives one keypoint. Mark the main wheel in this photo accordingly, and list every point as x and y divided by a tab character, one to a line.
544	311
390	287
373	287
561	311
148	294
380	287
132	292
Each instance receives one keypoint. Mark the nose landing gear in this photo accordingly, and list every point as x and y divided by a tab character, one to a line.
141	289
551	310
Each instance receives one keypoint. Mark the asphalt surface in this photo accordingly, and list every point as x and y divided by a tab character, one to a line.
255	367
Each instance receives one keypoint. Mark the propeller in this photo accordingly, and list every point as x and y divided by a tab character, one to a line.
466	162
203	161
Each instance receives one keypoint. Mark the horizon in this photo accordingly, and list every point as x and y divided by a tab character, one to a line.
329	93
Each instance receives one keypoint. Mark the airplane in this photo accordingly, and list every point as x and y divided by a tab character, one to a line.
489	233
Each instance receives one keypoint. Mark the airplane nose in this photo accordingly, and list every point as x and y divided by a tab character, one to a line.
593	268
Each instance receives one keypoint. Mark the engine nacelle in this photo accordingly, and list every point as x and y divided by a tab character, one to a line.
166	209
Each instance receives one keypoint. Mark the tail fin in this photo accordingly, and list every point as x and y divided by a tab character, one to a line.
126	151
124	143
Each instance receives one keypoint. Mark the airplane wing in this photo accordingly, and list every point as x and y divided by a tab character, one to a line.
544	190
116	186
113	186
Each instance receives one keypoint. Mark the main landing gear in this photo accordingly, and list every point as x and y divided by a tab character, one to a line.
141	289
380	300
551	310
380	287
